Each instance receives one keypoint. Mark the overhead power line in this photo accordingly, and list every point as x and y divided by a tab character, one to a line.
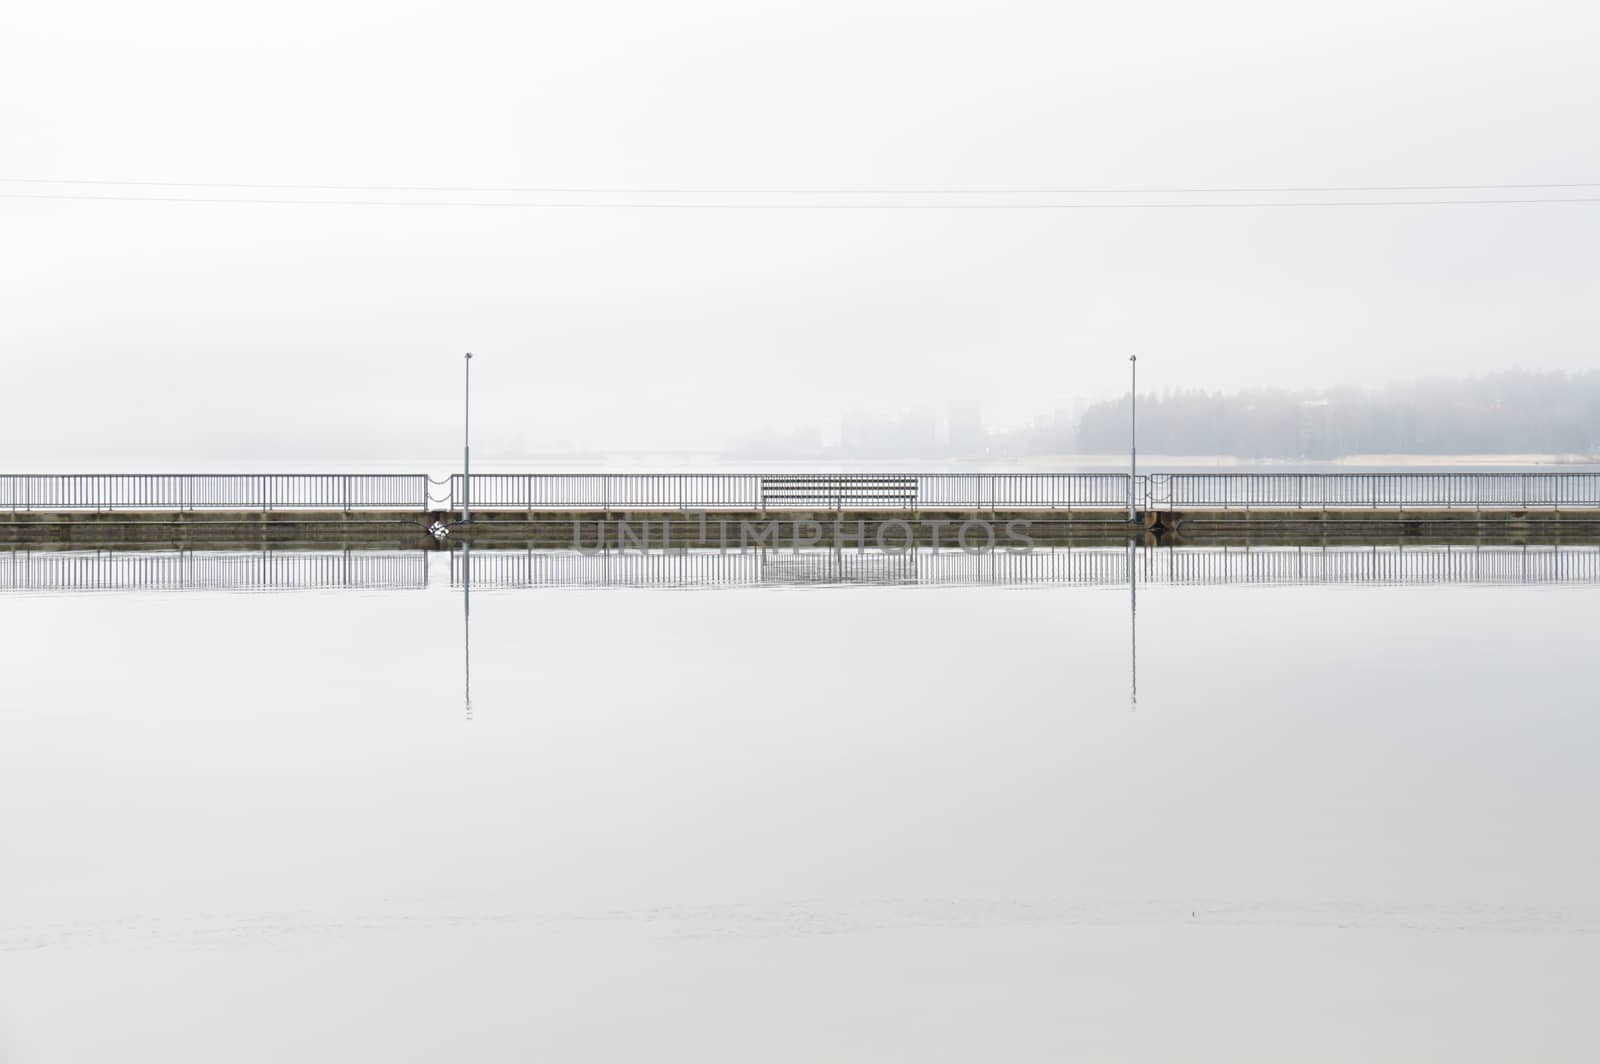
796	204
598	190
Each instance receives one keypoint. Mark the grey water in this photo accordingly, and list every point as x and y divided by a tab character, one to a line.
799	820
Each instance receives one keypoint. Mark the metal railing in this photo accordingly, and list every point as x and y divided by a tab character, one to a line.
790	491
213	491
1021	491
1325	491
755	491
269	570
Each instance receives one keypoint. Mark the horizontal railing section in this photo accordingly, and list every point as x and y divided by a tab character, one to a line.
214	491
999	491
1321	491
607	491
790	491
796	491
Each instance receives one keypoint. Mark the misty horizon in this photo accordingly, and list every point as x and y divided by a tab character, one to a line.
257	329
1516	414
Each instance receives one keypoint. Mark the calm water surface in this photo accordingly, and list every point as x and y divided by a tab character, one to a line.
833	823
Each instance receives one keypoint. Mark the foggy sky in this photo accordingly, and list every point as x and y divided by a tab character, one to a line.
131	331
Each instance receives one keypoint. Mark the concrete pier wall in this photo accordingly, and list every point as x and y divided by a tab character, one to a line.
973	530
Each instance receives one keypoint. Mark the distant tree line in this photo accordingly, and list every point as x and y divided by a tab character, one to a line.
1505	413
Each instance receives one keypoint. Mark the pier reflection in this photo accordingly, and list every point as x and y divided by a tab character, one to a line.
199	570
1136	566
1151	566
1071	566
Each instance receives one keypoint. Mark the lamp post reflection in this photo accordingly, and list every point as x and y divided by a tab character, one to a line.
466	621
1133	625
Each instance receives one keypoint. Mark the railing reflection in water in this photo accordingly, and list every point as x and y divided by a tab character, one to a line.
1072	566
66	571
72	571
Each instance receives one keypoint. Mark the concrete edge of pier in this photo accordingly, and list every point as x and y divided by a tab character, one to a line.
733	529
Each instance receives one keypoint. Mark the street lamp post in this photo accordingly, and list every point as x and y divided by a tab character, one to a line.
466	448
1133	432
